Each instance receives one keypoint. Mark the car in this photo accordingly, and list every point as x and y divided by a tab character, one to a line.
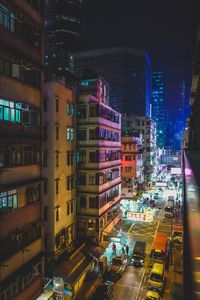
112	276
177	235
104	291
118	264
139	253
152	295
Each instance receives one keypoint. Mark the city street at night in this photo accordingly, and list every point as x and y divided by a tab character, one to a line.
99	150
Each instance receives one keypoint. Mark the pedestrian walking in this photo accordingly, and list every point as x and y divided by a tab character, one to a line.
127	249
123	251
114	248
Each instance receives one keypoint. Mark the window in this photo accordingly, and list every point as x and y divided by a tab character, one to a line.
18	112
7	18
57	105
69	235
57	133
93	134
81	157
82	134
81	179
57	159
93	202
33	193
128	169
70	207
81	113
83	202
9	199
70	183
94	110
128	157
70	109
57	186
45	158
45	102
93	157
93	179
70	158
57	213
70	134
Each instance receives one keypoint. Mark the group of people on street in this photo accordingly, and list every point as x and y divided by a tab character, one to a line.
125	249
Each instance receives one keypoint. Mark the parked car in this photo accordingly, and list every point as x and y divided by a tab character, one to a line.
152	295
104	291
139	253
157	278
118	264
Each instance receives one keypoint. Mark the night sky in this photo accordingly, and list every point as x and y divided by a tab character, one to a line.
162	27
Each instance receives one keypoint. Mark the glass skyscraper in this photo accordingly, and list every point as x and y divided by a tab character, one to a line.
128	72
159	106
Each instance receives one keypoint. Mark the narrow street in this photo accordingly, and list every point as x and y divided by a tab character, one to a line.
134	282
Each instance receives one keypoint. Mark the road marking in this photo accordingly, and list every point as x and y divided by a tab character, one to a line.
137	295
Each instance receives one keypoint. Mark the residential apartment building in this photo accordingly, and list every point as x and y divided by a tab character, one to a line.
98	160
128	72
132	166
59	168
133	125
159	106
21	226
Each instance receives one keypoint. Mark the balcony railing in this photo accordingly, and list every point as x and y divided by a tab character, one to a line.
191	183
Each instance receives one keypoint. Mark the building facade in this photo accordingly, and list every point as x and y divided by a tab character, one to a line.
98	161
132	166
62	35
133	125
59	168
21	226
128	72
159	106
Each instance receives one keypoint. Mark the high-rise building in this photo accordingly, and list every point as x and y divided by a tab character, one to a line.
21	225
128	72
175	128
133	125
98	161
186	83
59	168
132	166
62	35
159	106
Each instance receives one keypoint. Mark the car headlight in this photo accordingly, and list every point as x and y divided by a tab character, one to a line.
141	260
133	259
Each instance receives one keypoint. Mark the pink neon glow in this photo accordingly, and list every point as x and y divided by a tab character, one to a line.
188	171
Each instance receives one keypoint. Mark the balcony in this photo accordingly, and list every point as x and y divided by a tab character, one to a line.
15	131
106	186
191	216
10	219
19	91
